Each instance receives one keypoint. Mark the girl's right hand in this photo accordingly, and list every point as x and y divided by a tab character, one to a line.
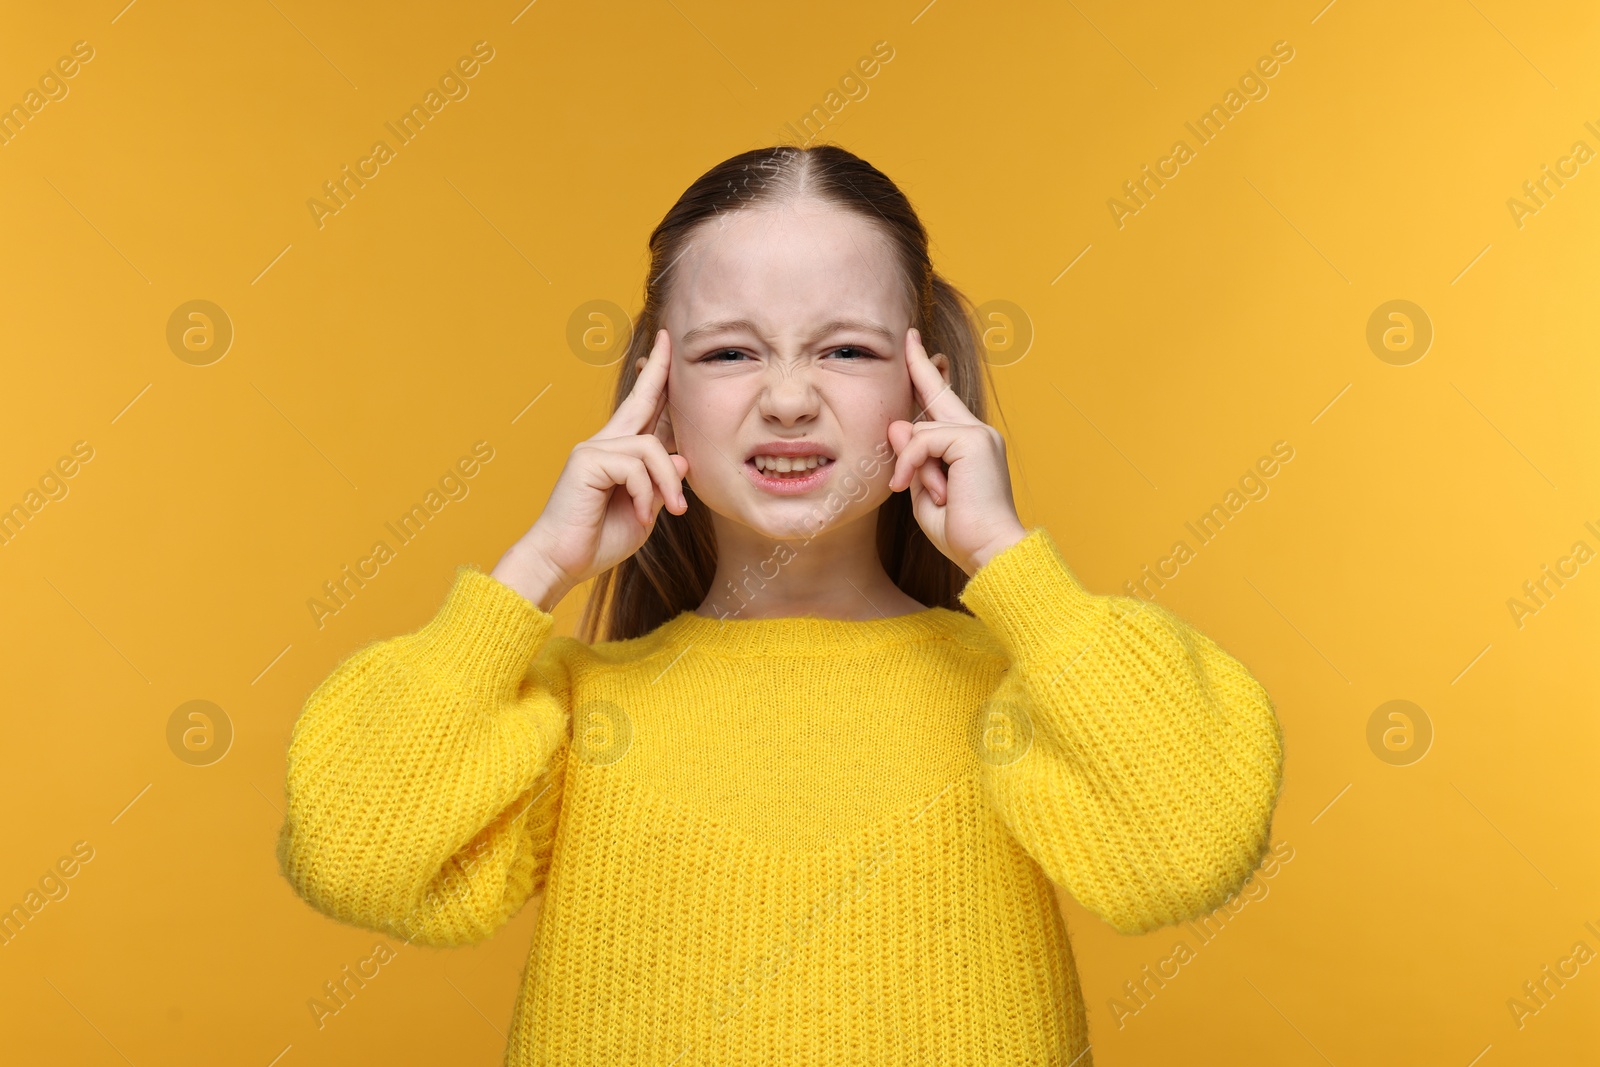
587	526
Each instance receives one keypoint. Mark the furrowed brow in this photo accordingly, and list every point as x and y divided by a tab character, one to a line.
706	329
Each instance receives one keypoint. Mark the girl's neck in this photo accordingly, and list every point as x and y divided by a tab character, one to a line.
833	575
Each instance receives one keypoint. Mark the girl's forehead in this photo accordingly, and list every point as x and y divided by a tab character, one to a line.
811	278
816	240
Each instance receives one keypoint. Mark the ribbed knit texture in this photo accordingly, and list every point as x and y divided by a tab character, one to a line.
788	841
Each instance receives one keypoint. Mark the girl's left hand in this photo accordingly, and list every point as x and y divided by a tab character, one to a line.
955	466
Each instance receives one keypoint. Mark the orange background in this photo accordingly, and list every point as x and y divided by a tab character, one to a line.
432	311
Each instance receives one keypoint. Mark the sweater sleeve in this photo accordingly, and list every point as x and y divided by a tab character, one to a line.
1137	762
424	772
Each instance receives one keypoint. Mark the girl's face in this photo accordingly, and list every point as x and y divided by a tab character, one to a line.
788	324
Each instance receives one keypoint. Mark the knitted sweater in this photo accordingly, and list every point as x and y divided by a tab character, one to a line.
794	840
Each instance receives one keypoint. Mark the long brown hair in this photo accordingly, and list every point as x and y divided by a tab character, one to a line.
673	570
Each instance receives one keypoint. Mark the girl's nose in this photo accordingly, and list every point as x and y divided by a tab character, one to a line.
789	389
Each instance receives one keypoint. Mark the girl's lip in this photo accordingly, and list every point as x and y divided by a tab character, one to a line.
788	486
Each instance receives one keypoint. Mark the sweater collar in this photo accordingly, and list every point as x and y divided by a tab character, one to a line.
800	634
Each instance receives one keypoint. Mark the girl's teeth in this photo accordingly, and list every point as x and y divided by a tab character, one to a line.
789	464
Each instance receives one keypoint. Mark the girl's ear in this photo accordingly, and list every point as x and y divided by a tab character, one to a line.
664	428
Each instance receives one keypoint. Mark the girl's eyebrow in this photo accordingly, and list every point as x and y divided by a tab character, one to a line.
728	325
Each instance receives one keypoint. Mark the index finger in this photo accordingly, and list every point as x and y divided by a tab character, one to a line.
640	410
939	402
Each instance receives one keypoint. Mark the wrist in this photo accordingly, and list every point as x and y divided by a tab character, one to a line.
526	568
997	546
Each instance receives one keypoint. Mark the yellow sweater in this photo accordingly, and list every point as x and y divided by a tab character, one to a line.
796	840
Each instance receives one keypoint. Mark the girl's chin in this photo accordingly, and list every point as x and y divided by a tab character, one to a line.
796	519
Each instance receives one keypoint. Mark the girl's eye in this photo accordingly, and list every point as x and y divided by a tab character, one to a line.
717	356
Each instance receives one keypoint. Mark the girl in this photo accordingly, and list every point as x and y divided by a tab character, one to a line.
838	719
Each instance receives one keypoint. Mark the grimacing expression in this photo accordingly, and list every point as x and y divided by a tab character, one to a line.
782	282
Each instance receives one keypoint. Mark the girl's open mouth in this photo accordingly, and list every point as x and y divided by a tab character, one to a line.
789	482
